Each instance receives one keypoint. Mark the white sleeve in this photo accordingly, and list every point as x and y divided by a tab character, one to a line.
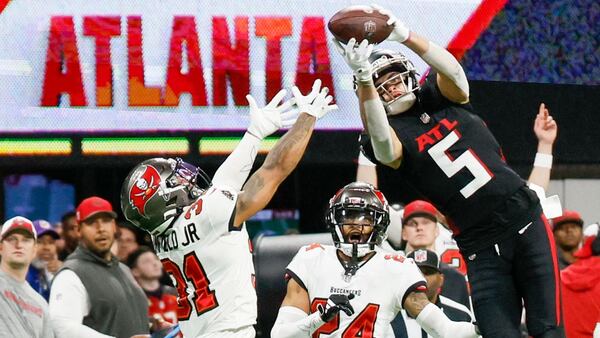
445	63
236	168
294	323
47	329
379	131
435	322
69	303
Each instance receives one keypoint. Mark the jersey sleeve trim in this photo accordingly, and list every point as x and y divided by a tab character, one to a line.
419	286
296	278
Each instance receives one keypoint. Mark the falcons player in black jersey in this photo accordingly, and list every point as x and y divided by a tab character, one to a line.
429	134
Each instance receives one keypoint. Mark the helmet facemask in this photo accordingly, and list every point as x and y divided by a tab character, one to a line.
186	177
406	77
357	211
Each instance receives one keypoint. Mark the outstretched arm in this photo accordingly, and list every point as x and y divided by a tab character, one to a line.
385	142
545	130
263	122
283	158
451	78
433	320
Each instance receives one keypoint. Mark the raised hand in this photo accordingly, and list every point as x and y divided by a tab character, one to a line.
335	304
267	120
357	57
316	103
544	127
400	32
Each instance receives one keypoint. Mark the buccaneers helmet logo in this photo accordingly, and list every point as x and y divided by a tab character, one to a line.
144	188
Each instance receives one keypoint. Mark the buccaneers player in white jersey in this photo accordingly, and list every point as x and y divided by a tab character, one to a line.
354	289
198	230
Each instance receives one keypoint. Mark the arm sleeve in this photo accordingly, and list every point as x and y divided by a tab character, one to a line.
435	322
432	98
69	303
446	64
294	323
236	168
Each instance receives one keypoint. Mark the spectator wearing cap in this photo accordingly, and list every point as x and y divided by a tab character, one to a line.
581	290
93	294
568	234
46	264
147	270
420	230
429	264
23	312
70	233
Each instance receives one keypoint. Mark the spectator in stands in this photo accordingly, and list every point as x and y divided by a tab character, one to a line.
23	312
568	233
93	293
46	264
147	270
420	231
429	264
581	290
70	233
126	241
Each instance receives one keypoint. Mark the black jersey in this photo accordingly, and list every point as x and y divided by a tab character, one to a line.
451	157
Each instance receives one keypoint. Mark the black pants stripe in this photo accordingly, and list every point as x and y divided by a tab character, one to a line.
520	269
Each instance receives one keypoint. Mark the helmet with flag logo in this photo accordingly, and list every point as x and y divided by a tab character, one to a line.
156	191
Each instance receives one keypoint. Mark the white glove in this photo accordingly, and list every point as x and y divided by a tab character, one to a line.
316	103
400	32
357	57
265	121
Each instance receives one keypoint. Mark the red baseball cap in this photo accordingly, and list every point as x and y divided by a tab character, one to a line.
419	208
92	206
568	216
17	223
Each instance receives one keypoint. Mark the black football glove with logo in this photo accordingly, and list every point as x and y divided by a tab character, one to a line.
335	304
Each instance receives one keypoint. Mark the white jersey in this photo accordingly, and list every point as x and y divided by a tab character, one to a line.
380	287
210	263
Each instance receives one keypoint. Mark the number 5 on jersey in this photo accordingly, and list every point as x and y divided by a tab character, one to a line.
204	299
469	160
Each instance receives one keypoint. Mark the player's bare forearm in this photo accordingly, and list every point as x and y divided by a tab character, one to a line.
280	162
289	150
415	302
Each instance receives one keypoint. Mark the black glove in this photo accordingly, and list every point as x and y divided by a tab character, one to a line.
335	303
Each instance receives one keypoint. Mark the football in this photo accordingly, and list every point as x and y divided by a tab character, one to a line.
359	22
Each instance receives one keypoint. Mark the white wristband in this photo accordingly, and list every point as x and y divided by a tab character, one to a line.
543	161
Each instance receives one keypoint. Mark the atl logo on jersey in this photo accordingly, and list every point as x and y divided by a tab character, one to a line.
144	188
